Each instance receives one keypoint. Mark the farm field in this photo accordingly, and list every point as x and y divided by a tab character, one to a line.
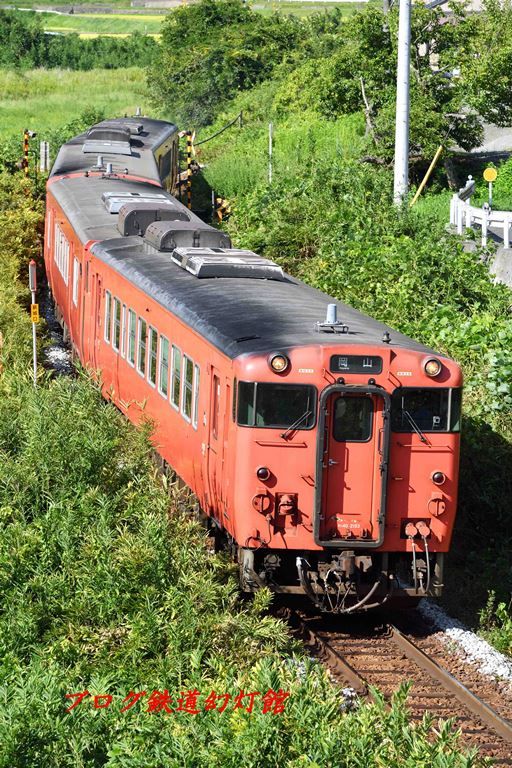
93	24
303	9
148	22
43	100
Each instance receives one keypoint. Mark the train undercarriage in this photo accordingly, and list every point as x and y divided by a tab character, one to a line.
344	582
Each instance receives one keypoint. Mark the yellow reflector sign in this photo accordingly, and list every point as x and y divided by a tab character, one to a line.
34	313
490	174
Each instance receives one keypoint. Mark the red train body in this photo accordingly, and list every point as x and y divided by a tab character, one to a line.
325	450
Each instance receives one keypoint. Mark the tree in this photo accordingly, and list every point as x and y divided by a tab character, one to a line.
212	50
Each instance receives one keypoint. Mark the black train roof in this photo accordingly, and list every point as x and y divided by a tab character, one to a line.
237	315
241	315
139	162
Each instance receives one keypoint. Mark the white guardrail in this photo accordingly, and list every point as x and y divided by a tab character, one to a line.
463	215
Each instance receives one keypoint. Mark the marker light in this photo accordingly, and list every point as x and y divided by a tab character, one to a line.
263	473
438	478
279	363
432	367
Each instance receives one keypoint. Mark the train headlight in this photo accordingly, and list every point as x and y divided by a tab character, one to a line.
279	363
432	367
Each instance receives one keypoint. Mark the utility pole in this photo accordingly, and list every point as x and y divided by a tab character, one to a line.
401	177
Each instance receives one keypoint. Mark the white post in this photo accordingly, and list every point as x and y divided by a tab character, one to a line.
401	175
484	228
270	142
460	219
468	214
453	209
44	156
506	232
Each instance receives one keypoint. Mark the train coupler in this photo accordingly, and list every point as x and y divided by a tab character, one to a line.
336	590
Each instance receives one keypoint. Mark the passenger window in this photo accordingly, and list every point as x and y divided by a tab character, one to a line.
176	377
196	396
131	336
277	406
141	355
108	316
426	410
76	277
188	382
123	331
353	419
116	340
153	347
163	372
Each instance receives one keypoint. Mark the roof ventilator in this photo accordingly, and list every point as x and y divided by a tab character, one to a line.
226	262
331	323
114	201
167	236
135	217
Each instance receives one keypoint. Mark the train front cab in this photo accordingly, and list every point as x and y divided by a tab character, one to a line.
347	486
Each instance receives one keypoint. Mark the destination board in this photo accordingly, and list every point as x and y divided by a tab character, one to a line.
355	364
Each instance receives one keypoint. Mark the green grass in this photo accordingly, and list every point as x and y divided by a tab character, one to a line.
43	100
93	24
302	9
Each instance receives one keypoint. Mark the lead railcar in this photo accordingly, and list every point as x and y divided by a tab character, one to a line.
320	443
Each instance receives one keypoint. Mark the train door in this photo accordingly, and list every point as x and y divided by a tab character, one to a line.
216	443
353	467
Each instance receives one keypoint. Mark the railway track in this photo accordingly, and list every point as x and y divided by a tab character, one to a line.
362	654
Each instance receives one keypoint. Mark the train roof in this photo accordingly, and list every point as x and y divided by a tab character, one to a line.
238	315
127	143
80	198
241	315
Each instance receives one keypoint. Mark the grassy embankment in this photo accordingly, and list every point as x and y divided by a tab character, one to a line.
106	587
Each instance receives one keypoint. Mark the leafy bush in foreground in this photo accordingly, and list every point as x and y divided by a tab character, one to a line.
103	590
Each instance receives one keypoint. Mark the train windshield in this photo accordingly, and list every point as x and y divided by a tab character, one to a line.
425	410
276	405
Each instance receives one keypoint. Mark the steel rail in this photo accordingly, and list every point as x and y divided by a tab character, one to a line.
323	649
325	652
472	702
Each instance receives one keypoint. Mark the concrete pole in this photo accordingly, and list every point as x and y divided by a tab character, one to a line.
401	178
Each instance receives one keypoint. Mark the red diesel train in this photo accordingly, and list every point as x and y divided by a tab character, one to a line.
320	443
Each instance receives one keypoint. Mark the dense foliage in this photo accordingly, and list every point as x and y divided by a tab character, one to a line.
106	586
329	66
211	50
24	45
